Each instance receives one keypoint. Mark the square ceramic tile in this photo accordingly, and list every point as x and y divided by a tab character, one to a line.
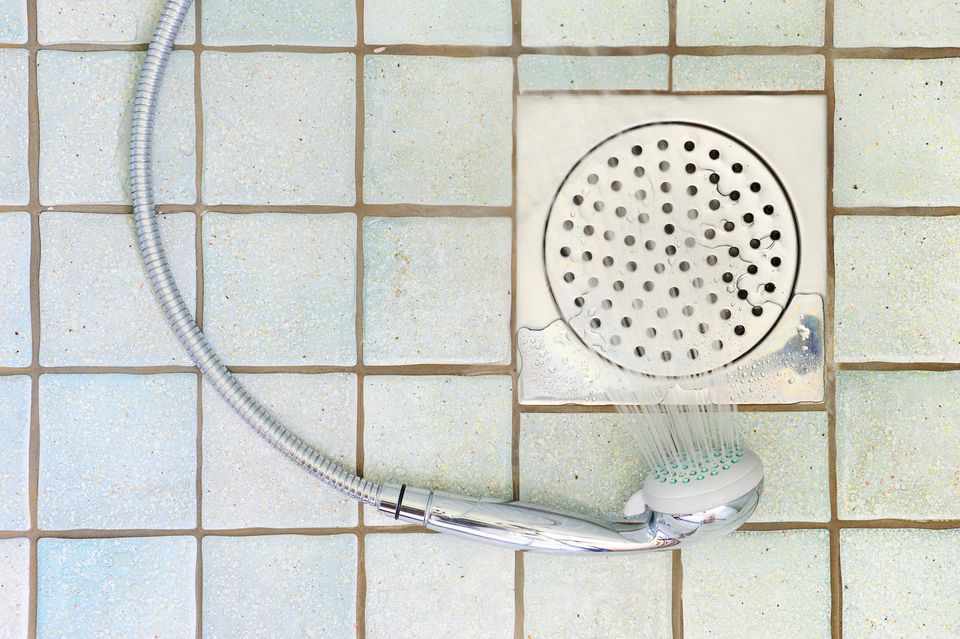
16	346
280	288
96	305
897	445
289	22
114	22
14	454
14	126
892	296
559	72
447	433
896	134
113	588
412	316
748	73
577	597
482	22
898	583
13	21
408	574
86	103
14	587
438	130
896	23
554	23
280	586
118	451
257	153
247	483
758	584
750	22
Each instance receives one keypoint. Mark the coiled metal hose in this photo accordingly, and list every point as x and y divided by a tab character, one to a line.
165	287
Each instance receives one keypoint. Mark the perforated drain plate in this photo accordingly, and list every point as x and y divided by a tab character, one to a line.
671	249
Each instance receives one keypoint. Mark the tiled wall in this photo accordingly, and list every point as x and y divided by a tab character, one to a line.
337	179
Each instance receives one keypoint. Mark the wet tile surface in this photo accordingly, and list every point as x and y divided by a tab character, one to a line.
486	22
896	23
438	130
299	154
118	451
748	73
897	445
14	463
750	22
892	296
15	323
280	586
14	131
550	23
411	315
559	72
280	288
289	22
14	587
114	22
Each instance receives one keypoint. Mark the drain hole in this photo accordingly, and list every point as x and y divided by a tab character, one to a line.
593	178
565	251
637	149
664	166
612	162
737	167
588	230
608	235
615	185
618	285
629	241
595	322
578	199
567	225
568	277
608	261
626	322
651	332
639	351
714	154
667	208
665	355
648	286
662	313
662	145
587	256
579	301
690	168
739	329
620	211
598	205
689	146
665	187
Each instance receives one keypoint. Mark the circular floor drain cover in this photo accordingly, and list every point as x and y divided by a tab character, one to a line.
671	249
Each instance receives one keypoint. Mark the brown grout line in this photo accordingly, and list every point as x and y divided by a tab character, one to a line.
198	311
676	590
671	50
611	408
920	211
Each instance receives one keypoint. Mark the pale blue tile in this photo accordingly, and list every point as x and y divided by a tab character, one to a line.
113	22
894	297
13	21
407	575
86	103
750	22
15	323
480	22
117	588
118	451
896	132
559	72
898	445
14	588
280	288
289	22
438	130
256	152
14	126
280	586
555	23
14	454
413	316
575	597
896	23
748	73
96	305
249	483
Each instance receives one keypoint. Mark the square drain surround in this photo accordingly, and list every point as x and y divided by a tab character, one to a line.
669	246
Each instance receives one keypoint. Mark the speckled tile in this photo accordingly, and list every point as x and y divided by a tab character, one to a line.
442	432
750	22
117	588
105	22
86	103
256	153
14	126
287	22
896	23
899	583
748	73
14	588
481	22
581	597
896	131
14	454
407	575
758	584
13	22
248	483
892	296
15	324
594	23
280	586
897	445
117	451
96	306
438	130
411	316
280	288
559	72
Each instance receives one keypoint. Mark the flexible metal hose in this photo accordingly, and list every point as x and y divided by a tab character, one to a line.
165	287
